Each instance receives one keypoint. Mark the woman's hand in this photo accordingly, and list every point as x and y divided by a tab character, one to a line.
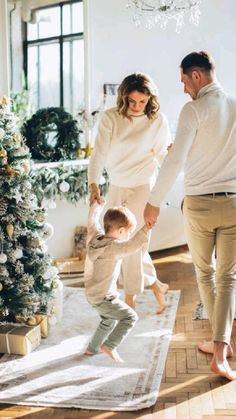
95	194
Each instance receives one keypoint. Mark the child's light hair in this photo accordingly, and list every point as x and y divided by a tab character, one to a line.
117	217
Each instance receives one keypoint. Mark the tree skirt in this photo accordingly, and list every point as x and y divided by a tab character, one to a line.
58	374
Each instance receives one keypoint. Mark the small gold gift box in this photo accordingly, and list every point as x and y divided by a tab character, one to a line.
19	339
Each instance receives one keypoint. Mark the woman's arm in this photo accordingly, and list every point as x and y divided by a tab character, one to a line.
99	156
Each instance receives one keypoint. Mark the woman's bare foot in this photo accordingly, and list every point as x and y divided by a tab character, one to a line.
164	288
112	353
208	347
130	300
223	369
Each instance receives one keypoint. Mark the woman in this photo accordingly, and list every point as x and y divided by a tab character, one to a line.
131	143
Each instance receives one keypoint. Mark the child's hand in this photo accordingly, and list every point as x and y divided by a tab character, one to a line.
146	228
102	201
169	147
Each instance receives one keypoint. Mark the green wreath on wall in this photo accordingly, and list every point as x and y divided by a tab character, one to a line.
52	135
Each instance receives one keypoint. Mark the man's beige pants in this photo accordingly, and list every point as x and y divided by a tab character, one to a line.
137	270
210	225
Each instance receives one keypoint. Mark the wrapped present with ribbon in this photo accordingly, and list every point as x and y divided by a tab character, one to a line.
36	319
19	339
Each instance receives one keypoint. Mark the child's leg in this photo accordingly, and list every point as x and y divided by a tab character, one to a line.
105	327
127	318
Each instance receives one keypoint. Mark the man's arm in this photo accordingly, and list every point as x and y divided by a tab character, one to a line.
174	161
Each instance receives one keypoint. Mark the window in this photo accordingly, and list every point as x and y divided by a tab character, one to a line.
54	56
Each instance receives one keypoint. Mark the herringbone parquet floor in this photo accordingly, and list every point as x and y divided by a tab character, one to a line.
188	389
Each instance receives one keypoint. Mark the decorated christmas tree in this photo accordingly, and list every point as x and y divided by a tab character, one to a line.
27	278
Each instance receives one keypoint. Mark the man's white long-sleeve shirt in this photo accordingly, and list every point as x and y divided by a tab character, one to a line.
204	147
130	150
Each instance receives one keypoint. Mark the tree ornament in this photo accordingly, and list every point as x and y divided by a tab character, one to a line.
10	230
64	186
52	205
18	253
3	257
25	166
40	217
3	152
48	231
34	243
4	100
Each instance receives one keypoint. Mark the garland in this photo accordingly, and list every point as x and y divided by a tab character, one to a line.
66	182
52	135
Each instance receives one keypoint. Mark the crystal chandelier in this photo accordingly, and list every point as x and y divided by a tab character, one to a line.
148	13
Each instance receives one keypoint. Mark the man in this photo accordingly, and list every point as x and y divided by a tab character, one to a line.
205	147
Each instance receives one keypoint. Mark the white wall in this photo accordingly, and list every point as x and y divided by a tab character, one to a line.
118	48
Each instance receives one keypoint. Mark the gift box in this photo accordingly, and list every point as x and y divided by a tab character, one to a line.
38	319
19	339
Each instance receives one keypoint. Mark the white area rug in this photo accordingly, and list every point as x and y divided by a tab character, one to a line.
57	374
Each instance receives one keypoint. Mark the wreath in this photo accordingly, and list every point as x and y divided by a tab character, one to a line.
52	135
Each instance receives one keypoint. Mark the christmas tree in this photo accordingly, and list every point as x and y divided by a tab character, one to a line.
27	277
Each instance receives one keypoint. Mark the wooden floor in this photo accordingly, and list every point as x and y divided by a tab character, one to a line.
188	389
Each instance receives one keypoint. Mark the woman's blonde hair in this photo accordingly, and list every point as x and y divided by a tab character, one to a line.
117	217
141	83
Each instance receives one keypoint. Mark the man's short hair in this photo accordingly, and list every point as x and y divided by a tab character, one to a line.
197	61
117	217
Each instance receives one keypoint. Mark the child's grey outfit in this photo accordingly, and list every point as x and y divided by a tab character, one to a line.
104	257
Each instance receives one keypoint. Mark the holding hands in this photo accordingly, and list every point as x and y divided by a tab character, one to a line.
95	195
151	214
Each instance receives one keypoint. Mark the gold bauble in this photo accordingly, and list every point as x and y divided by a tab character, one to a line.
10	230
3	152
40	217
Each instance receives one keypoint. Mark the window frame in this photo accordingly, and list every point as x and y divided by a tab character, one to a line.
43	41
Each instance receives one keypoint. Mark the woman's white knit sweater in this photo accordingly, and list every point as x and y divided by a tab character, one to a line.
129	150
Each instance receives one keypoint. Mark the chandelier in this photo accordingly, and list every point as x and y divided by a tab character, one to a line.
148	13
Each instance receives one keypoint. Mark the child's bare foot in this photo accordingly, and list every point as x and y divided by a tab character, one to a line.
88	353
130	300
112	353
223	369
208	347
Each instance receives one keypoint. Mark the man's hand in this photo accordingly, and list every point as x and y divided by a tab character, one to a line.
95	194
151	214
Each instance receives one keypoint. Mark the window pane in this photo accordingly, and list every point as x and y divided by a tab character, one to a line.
32	31
73	70
72	18
49	75
49	22
33	76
